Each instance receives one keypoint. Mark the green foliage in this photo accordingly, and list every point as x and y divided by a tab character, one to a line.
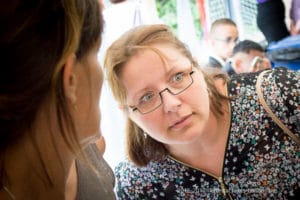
167	12
196	16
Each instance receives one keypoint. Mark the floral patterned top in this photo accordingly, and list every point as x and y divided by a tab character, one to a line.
261	161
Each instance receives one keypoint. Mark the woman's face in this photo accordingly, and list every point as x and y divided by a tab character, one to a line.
90	79
180	118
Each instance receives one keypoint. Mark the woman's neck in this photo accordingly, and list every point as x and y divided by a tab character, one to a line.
210	145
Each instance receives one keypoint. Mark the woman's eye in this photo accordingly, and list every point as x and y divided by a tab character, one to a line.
178	77
145	98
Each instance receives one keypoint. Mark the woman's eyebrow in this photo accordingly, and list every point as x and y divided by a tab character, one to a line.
169	72
139	92
176	68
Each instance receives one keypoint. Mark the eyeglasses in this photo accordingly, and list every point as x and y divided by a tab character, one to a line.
259	63
256	62
152	100
228	40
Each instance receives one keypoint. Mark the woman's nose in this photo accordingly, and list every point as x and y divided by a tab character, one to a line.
170	102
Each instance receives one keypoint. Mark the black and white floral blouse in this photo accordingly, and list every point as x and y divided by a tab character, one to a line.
261	162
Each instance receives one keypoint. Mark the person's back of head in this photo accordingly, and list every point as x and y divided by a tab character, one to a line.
36	40
223	37
249	56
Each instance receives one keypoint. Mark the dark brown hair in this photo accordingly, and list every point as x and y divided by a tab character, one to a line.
36	37
117	1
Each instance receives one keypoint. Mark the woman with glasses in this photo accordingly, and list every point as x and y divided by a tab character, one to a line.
193	135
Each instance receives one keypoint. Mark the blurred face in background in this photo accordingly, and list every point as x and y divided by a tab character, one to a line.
223	39
250	62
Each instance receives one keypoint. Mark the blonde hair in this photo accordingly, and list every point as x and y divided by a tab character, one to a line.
140	149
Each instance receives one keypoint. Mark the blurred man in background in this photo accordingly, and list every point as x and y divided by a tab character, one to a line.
223	37
248	56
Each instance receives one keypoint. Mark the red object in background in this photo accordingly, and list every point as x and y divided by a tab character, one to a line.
202	16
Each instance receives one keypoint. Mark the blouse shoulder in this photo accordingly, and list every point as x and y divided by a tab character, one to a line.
283	76
95	179
128	174
280	78
280	88
133	182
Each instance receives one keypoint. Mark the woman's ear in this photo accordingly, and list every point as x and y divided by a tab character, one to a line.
69	79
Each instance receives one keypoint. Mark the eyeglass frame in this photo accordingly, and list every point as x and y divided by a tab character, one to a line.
256	60
228	40
135	108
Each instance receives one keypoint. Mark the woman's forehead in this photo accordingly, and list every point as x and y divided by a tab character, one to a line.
163	53
144	62
147	68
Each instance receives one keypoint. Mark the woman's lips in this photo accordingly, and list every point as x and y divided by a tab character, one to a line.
183	122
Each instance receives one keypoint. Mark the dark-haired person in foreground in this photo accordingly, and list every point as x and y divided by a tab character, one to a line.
50	83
